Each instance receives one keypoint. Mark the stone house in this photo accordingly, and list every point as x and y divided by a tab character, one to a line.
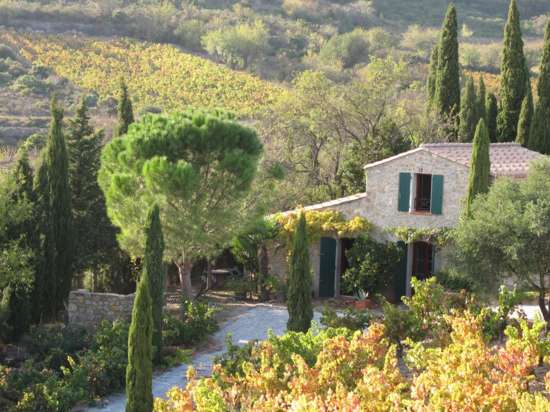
423	188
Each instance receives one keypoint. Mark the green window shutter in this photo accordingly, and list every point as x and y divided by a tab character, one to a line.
437	194
404	192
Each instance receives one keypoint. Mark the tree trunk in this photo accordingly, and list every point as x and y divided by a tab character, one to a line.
184	273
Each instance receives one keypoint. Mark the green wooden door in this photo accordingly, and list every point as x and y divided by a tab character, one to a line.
327	267
400	278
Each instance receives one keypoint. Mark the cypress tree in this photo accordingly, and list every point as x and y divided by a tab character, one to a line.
539	138
447	88
139	372
154	271
432	75
480	165
57	164
481	97
468	112
514	77
300	311
491	112
525	118
95	235
46	275
124	111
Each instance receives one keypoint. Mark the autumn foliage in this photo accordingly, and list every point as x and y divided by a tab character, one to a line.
361	371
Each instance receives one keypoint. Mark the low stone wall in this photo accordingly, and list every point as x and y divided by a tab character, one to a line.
89	309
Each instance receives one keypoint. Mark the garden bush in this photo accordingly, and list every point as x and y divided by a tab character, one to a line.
196	321
371	266
350	318
6	52
30	84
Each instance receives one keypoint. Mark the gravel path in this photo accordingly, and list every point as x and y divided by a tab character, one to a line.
251	324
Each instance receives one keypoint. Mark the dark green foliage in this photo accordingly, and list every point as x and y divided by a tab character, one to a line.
125	112
139	372
154	271
525	119
504	236
16	307
447	89
53	207
197	166
371	266
57	166
514	77
480	165
345	50
481	98
491	112
468	112
196	321
432	75
95	236
300	311
539	138
351	318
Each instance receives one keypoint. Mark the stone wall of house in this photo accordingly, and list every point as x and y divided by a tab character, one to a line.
380	206
89	309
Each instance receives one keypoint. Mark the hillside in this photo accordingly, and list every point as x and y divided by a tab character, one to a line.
160	77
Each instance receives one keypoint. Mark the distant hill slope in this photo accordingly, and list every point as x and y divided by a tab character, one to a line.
159	76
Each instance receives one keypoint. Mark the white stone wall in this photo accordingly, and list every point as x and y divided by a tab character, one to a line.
90	309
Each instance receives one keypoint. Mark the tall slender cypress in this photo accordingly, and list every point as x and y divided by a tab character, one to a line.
539	138
45	292
514	77
491	113
154	271
480	165
481	97
468	112
95	234
139	372
125	112
525	119
57	164
300	311
432	75
447	88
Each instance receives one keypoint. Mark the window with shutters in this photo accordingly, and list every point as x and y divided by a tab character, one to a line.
423	199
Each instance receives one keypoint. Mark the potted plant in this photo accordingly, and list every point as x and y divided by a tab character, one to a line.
362	300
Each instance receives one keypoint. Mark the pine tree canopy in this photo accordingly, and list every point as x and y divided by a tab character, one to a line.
447	89
480	165
514	77
300	311
539	138
468	112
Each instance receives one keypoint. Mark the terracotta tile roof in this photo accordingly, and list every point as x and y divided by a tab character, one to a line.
330	203
507	159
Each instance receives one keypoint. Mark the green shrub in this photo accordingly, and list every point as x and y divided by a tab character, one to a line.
197	321
242	287
189	34
351	318
454	282
346	50
399	323
371	266
30	84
